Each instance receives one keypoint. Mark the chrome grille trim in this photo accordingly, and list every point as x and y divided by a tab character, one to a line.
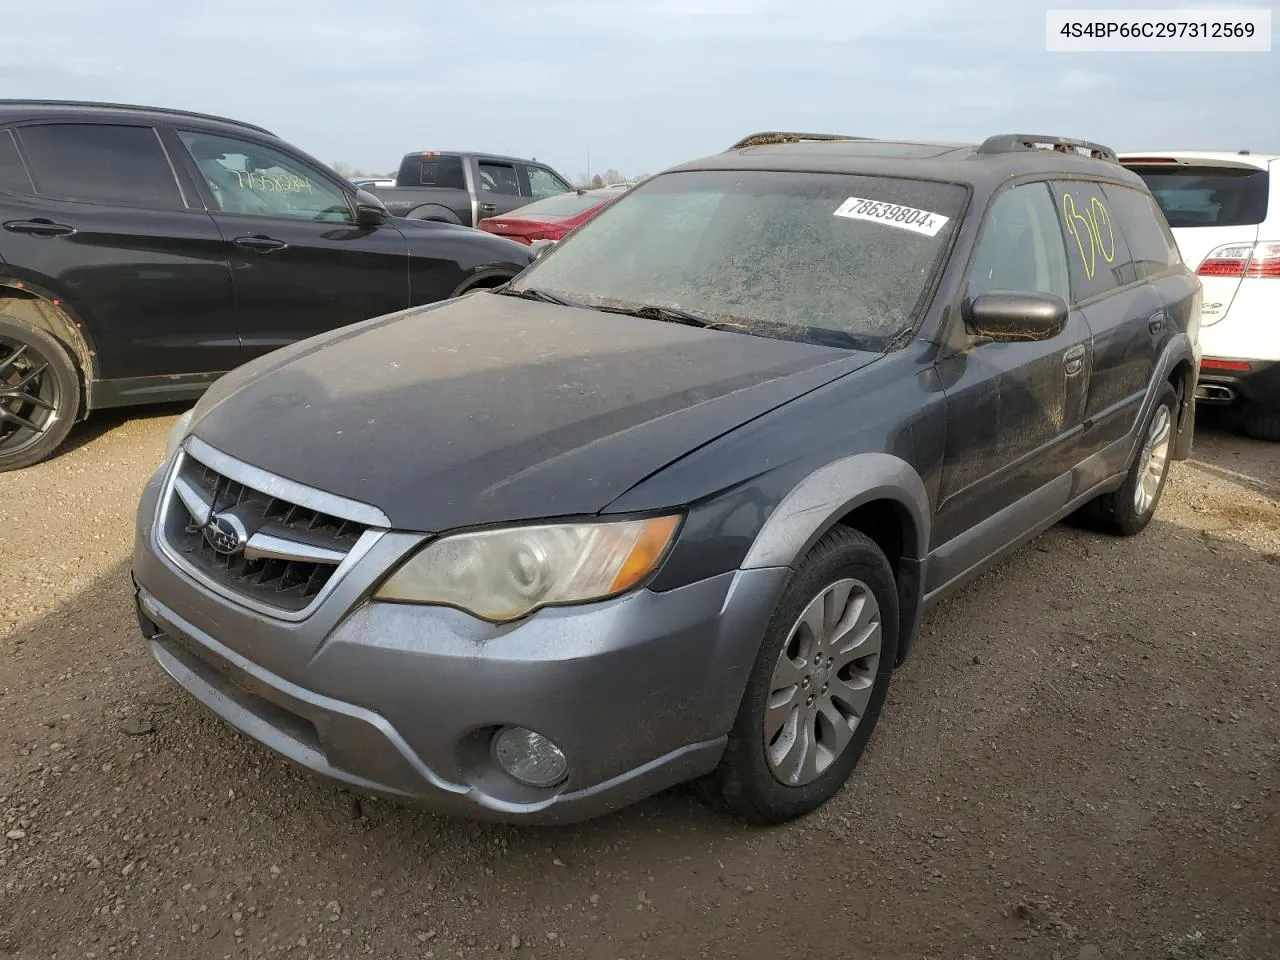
283	489
184	496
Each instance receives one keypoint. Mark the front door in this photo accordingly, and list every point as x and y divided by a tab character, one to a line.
102	222
539	182
299	263
1013	409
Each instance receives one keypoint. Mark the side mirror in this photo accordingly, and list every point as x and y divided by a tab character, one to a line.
539	247
370	211
1011	317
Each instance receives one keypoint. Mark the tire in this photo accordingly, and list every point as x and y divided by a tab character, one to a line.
759	779
39	394
1120	513
1263	426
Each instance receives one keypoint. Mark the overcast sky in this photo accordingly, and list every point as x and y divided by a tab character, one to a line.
642	84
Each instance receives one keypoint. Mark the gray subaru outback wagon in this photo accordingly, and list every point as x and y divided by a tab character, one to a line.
670	505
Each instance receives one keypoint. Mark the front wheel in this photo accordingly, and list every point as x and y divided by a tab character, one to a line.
39	394
817	687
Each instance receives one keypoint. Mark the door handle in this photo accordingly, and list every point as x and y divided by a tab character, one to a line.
487	208
1073	360
1156	322
39	227
260	244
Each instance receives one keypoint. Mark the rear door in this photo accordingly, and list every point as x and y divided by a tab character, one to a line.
498	187
300	264
1124	312
1155	256
105	223
1215	206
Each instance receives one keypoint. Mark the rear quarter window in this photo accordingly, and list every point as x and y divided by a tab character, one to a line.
13	172
1151	246
1209	196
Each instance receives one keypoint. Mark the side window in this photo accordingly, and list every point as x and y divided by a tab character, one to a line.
101	163
1145	232
544	183
13	172
1021	249
443	172
249	178
1096	248
498	178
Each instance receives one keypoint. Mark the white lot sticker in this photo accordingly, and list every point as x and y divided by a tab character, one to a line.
893	215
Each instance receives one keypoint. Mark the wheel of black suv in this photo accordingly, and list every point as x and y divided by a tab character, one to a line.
1127	511
1263	426
39	394
818	685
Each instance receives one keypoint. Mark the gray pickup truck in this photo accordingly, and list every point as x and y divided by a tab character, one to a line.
466	187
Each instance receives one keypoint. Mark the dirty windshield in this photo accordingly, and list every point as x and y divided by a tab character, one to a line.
830	258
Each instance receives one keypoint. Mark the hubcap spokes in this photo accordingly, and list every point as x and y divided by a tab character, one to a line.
1155	459
28	396
822	682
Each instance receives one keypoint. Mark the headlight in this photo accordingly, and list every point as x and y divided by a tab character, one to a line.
177	434
503	575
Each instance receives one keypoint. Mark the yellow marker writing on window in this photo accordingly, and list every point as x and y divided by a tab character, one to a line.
1088	226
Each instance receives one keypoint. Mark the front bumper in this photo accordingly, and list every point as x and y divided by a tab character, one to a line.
402	701
1257	387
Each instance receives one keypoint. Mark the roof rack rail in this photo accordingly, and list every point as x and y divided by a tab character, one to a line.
777	136
1013	142
172	111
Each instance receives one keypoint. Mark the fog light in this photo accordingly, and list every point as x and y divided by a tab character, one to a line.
529	757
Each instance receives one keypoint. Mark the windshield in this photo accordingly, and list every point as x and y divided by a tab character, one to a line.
792	255
1208	196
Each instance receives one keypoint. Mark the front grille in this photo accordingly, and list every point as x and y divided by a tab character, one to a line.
286	552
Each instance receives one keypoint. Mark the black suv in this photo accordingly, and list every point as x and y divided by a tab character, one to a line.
670	504
145	251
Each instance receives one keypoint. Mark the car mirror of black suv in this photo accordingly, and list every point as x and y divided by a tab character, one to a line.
370	211
1006	316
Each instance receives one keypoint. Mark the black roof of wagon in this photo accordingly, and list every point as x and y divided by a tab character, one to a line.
987	164
17	111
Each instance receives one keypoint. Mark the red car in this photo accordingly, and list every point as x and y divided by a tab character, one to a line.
550	218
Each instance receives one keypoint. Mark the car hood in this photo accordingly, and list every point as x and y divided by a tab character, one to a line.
491	408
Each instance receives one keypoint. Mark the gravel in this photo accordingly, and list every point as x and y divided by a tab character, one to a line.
1078	762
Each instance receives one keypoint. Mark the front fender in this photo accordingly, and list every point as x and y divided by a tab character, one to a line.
818	502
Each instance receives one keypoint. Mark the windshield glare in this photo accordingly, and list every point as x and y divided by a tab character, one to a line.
782	254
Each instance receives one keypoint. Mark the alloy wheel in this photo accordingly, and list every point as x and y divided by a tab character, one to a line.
1154	460
29	395
822	683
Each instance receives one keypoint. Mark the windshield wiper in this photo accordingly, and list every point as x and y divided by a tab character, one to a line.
667	315
530	293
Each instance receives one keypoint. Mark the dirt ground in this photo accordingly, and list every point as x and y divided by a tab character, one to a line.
1079	761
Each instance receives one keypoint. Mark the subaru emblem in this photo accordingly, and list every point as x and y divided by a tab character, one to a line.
226	534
